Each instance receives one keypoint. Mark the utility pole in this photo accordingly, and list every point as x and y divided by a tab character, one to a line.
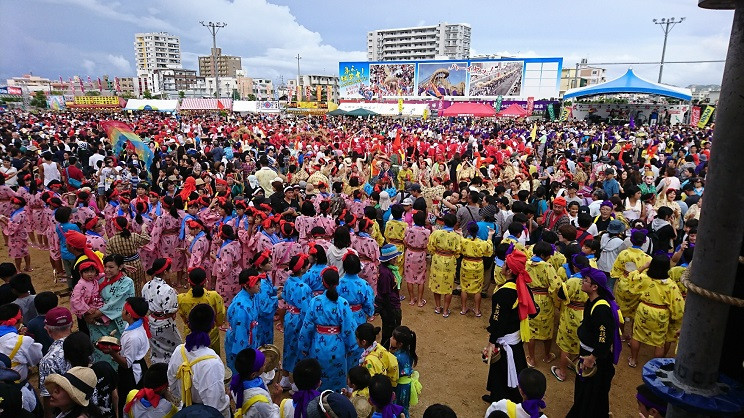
213	28
300	94
666	26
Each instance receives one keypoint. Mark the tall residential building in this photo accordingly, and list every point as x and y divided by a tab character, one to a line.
156	51
227	65
442	41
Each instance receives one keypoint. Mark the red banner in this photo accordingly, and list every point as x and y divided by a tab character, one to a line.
695	116
530	105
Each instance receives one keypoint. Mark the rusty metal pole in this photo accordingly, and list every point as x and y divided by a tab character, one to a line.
720	232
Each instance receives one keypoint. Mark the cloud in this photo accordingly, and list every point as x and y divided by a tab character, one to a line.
121	64
89	66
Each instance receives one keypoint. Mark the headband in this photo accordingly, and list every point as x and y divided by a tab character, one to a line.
145	320
14	320
165	267
263	257
92	222
301	258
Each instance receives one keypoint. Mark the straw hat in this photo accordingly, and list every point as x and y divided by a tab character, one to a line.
78	382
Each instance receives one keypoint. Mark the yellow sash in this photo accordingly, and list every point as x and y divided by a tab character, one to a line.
184	374
249	403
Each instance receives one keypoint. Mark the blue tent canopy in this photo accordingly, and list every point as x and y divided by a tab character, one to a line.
630	83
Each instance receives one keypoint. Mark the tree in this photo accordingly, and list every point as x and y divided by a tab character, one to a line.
39	100
181	94
147	95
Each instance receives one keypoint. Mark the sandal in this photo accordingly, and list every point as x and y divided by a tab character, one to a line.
421	303
446	314
550	358
631	363
530	364
438	310
554	371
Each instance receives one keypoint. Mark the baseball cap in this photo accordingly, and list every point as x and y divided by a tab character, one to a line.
58	317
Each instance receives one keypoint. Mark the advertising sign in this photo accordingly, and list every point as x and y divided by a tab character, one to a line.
510	78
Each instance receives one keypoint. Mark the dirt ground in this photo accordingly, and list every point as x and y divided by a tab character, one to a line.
449	357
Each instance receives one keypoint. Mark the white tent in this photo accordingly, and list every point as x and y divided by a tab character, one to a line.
152	104
387	109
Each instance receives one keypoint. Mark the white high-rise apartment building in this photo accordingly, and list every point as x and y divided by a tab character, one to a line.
442	41
156	51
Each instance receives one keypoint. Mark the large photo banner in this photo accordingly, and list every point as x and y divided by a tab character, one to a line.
509	78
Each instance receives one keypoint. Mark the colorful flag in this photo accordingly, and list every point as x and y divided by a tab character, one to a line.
121	135
695	116
707	112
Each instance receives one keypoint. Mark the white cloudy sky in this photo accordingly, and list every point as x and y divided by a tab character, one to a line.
94	37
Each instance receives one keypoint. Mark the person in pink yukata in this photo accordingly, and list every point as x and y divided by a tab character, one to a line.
198	250
93	233
14	227
369	253
227	265
414	272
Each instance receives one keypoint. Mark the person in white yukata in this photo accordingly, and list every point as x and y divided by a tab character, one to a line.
195	364
162	300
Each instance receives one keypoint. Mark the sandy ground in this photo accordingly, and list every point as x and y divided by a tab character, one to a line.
449	357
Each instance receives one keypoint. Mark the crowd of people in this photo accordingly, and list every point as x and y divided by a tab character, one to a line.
318	227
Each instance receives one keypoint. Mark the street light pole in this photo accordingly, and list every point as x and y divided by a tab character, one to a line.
666	26
213	27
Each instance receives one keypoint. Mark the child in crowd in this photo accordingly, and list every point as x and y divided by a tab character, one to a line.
7	270
387	300
403	346
381	397
306	376
358	381
252	399
24	293
135	343
162	302
532	387
151	400
86	295
374	356
198	294
43	302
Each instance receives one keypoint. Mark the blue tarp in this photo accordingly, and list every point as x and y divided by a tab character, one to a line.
630	83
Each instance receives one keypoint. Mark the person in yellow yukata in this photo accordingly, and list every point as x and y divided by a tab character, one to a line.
473	249
444	247
395	231
628	261
661	303
544	284
572	313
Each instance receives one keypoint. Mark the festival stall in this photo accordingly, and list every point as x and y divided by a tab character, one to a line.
629	83
469	109
191	103
152	104
513	111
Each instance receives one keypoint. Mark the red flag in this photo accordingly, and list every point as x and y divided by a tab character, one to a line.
220	105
